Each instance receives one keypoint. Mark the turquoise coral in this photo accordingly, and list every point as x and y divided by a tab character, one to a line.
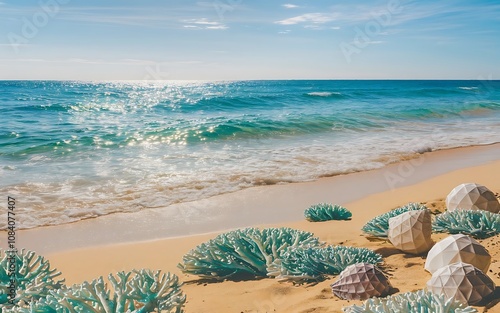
134	292
379	226
411	302
315	263
284	253
243	252
326	212
476	223
34	276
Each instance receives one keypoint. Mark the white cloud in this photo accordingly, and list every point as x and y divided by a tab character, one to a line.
130	20
204	23
217	27
157	17
290	6
314	26
315	18
409	11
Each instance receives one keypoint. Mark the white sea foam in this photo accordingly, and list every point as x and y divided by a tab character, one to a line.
323	94
149	177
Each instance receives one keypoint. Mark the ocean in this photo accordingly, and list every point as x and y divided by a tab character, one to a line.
73	150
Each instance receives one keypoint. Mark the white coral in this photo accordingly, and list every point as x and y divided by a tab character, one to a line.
411	302
134	292
34	276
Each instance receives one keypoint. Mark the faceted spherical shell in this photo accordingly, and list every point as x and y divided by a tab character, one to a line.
461	281
411	231
457	248
361	281
472	196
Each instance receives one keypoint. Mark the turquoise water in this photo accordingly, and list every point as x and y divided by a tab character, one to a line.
74	150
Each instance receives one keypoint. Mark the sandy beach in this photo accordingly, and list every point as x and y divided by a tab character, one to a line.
268	295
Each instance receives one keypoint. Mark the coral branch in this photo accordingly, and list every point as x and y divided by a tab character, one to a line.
326	212
411	302
476	223
314	263
34	276
243	252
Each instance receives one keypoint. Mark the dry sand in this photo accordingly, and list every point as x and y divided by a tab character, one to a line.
268	295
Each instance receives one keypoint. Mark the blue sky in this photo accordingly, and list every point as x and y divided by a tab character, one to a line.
244	39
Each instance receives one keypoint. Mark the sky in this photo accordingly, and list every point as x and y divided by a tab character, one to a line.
249	39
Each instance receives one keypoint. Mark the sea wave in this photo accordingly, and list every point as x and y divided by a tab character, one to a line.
139	181
75	150
324	94
83	132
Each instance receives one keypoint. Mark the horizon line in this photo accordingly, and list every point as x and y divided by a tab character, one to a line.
263	79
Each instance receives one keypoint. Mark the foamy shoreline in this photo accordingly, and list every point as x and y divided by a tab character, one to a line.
127	147
252	206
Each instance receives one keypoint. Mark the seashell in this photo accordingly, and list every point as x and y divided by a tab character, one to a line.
361	281
472	196
462	282
411	231
457	248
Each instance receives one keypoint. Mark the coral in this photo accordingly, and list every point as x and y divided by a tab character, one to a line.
326	212
243	252
379	226
134	292
476	223
153	291
411	302
34	276
314	263
40	306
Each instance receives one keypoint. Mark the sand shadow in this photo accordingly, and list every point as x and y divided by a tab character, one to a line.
491	301
375	239
392	291
388	251
236	278
242	278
